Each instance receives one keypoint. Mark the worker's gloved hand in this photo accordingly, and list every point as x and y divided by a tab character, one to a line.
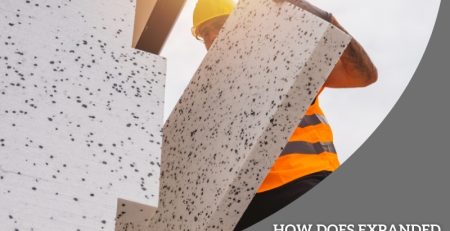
310	8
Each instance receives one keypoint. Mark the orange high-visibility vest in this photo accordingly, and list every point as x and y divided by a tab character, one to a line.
310	149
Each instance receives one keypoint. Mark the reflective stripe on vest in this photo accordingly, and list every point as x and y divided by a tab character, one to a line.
310	149
314	119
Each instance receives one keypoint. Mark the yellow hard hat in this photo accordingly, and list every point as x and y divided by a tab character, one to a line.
208	9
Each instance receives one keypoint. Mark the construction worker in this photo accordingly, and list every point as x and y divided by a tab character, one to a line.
309	155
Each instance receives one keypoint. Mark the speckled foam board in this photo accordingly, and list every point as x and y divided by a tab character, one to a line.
81	114
236	114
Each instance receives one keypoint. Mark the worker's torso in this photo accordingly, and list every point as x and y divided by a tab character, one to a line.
310	149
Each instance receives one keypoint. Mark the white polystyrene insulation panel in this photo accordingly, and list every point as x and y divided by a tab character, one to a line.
235	117
80	116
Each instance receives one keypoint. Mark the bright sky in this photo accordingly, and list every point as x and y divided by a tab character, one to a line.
393	32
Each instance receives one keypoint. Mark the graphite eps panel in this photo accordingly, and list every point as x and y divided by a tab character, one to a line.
81	114
235	117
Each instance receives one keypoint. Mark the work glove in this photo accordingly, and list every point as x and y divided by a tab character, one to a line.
310	8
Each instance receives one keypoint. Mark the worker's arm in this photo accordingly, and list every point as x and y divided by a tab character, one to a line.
354	68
